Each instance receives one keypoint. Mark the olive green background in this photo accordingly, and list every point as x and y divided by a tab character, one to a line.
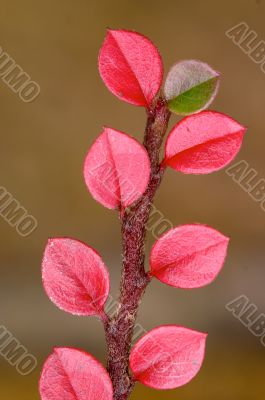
43	145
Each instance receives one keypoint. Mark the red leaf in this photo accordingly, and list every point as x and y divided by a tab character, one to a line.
168	357
131	67
117	169
71	374
75	277
188	256
203	143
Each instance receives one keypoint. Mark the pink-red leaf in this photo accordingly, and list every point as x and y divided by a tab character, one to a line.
203	143
75	277
188	256
71	374
117	169
131	67
168	357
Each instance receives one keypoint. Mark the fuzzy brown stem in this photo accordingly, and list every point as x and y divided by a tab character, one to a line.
119	330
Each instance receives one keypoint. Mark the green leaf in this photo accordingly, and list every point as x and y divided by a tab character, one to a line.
190	87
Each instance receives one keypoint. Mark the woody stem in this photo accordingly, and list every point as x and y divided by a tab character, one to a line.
119	329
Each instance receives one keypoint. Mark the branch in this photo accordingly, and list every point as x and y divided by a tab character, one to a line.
119	330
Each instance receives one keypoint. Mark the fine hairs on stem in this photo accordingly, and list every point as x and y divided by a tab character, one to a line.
119	330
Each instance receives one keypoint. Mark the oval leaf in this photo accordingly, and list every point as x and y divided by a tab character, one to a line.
71	374
117	169
190	87
188	256
131	67
75	277
203	143
168	357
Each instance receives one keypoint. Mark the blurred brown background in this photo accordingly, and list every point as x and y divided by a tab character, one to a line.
43	145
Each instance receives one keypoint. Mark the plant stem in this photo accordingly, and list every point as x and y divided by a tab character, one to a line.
119	329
